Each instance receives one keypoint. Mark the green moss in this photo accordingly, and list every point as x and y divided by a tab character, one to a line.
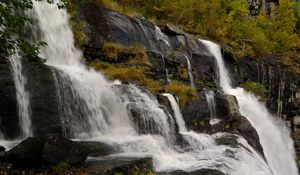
255	88
183	72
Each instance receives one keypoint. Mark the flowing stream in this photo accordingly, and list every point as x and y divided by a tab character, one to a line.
131	118
22	96
189	68
273	134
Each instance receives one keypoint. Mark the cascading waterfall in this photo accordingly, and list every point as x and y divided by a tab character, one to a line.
189	66
273	134
210	98
89	103
22	96
177	114
97	110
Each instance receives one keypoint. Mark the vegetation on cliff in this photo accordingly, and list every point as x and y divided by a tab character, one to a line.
228	22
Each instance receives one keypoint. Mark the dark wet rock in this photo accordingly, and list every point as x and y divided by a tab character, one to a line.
96	149
226	106
120	165
27	153
38	151
196	114
2	148
44	101
228	140
171	30
8	105
197	172
6	169
240	125
59	149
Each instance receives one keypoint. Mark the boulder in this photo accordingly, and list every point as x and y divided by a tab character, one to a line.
95	149
27	153
38	151
226	106
197	172
59	149
120	165
240	125
2	148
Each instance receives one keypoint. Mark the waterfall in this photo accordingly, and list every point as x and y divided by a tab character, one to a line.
177	114
210	98
189	66
167	76
90	107
93	108
22	95
273	134
160	36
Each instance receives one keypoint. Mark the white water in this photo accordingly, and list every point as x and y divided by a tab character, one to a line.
210	98
189	66
273	134
22	96
94	110
177	114
161	36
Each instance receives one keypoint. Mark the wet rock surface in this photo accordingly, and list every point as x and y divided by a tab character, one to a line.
38	151
197	172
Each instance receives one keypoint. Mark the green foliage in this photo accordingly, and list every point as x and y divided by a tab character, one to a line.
184	92
13	19
228	22
255	88
137	53
138	75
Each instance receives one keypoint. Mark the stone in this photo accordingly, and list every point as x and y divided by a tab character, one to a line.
27	153
226	106
197	172
2	148
96	149
59	149
120	165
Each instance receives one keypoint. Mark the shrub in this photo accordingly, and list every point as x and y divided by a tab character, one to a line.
255	88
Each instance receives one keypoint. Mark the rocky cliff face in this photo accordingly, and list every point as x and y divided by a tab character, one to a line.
167	48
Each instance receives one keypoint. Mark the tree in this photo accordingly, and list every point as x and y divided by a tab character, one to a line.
13	19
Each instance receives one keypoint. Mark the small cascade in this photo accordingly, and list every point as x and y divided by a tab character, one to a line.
22	96
150	117
210	98
177	114
273	134
166	70
161	36
190	71
167	75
